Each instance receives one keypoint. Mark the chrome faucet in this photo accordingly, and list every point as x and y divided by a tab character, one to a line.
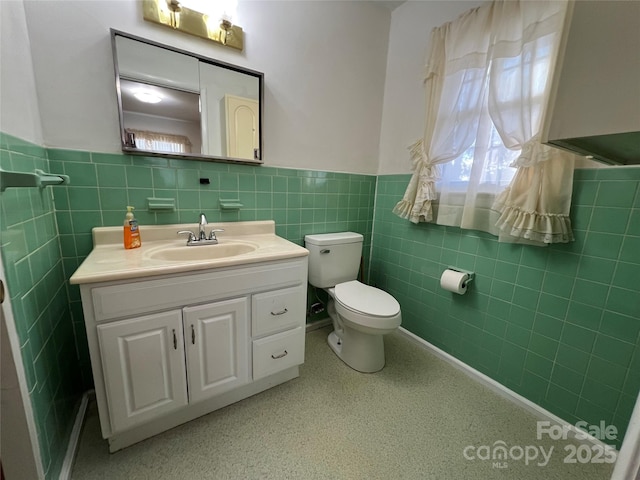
201	225
201	238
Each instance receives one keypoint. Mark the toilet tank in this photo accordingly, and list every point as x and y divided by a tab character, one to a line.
333	258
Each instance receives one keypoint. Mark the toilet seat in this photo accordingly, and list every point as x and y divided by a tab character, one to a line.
366	300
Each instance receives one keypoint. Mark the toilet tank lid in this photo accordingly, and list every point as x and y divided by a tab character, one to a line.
333	238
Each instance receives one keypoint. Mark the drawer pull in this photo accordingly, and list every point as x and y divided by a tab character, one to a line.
275	357
281	312
175	340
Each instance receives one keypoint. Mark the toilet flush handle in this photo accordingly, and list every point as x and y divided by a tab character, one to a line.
326	250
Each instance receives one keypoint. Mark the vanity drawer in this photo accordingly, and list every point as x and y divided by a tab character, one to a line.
277	310
278	352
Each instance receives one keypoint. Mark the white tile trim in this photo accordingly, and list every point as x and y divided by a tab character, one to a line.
628	464
74	439
316	325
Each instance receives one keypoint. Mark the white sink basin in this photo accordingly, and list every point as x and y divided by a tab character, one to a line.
162	253
201	252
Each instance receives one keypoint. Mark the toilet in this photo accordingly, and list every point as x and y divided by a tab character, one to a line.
361	314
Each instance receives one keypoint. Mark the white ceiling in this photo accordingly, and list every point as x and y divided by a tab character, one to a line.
175	104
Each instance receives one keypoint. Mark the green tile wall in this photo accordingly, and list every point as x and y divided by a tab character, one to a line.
102	185
559	325
36	283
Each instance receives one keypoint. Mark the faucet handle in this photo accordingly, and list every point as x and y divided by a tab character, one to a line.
192	236
212	233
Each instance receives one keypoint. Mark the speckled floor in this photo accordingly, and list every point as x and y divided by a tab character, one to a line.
412	420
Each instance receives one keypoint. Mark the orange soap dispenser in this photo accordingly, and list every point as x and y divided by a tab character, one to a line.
131	230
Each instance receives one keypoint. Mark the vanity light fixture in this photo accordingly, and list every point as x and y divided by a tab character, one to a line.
210	19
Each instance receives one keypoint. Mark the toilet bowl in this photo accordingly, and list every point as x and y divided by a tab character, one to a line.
357	337
361	314
366	309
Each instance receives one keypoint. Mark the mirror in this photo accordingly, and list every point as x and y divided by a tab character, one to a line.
175	103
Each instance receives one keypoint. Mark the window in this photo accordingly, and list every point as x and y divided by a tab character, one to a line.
487	84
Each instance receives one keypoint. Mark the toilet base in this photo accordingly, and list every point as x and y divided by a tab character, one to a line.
360	351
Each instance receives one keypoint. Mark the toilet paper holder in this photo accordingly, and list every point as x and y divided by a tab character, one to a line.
472	275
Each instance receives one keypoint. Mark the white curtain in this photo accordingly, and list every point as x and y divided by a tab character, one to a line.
536	204
497	66
451	84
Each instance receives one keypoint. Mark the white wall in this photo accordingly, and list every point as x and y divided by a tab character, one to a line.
404	102
334	99
324	65
19	114
218	83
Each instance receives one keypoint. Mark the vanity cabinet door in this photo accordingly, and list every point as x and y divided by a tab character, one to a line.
144	368
217	339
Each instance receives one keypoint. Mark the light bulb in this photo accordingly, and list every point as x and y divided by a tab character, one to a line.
147	97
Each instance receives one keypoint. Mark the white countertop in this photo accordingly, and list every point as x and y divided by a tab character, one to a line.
109	260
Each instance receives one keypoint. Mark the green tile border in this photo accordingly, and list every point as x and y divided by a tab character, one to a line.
529	309
571	308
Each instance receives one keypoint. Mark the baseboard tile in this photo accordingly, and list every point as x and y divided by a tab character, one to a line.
74	439
316	325
495	386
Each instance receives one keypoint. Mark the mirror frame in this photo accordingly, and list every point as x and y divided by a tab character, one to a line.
187	156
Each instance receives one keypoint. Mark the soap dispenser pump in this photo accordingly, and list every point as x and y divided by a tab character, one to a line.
131	230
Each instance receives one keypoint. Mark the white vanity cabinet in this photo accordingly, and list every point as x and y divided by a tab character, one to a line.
143	359
166	349
216	347
143	366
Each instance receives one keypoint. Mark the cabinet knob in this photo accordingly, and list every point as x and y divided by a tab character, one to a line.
193	335
175	340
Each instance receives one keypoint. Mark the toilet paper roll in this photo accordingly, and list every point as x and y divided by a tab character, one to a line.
453	281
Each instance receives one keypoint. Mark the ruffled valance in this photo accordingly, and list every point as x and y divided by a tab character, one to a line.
535	226
535	206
